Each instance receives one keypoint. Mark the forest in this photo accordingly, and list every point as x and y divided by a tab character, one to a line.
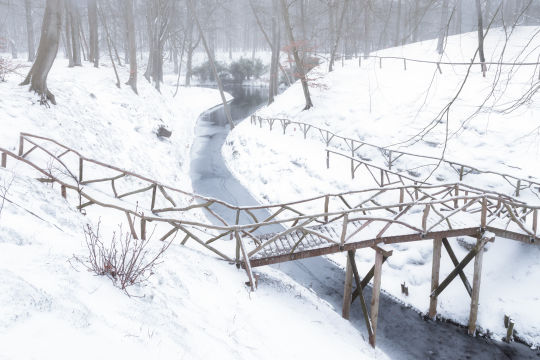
269	179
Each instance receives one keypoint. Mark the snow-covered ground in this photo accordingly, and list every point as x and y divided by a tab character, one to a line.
194	306
388	106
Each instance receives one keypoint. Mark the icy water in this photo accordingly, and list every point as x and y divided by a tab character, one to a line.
402	333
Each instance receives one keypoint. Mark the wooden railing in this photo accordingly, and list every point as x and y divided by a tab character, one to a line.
335	145
389	214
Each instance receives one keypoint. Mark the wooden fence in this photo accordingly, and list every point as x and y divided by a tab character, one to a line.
325	224
350	149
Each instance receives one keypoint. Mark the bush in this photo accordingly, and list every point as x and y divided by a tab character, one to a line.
205	73
125	260
245	69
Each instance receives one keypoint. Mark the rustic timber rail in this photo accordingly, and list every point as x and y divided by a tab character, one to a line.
397	212
400	165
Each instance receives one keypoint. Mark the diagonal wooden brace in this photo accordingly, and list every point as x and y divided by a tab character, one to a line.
361	294
456	263
370	273
479	246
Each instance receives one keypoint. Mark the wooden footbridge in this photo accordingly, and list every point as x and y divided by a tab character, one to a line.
399	209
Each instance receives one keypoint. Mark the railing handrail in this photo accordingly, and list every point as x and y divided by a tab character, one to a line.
400	152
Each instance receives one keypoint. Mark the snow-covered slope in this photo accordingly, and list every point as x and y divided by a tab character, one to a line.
387	106
194	306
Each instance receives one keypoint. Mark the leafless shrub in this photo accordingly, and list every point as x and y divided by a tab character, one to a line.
7	66
125	260
4	188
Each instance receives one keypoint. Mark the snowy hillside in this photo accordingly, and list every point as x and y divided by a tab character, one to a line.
381	103
194	306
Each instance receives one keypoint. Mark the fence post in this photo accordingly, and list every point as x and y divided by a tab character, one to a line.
80	169
327	159
21	145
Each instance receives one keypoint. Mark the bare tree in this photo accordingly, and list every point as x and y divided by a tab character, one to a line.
93	53
212	61
132	45
480	37
297	60
339	31
443	31
73	13
274	46
30	30
47	50
158	19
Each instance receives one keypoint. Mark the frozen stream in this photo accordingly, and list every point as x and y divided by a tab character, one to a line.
402	333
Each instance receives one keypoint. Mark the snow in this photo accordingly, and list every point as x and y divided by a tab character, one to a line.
388	107
194	306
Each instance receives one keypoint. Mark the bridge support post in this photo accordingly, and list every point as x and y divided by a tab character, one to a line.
476	288
347	292
435	269
376	291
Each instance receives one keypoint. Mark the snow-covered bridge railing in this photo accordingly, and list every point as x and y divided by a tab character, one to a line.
414	167
253	236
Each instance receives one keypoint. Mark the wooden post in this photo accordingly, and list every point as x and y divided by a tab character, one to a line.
237	241
344	229
21	145
154	190
425	217
476	288
327	159
63	191
435	269
347	292
483	215
456	194
359	290
376	291
247	264
143	229
535	222
509	331
326	203
80	170
4	160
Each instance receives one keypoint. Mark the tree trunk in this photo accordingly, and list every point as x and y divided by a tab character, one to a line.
367	33
212	63
299	65
397	35
30	30
443	31
132	46
459	16
47	50
339	30
75	22
480	37
93	53
67	38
